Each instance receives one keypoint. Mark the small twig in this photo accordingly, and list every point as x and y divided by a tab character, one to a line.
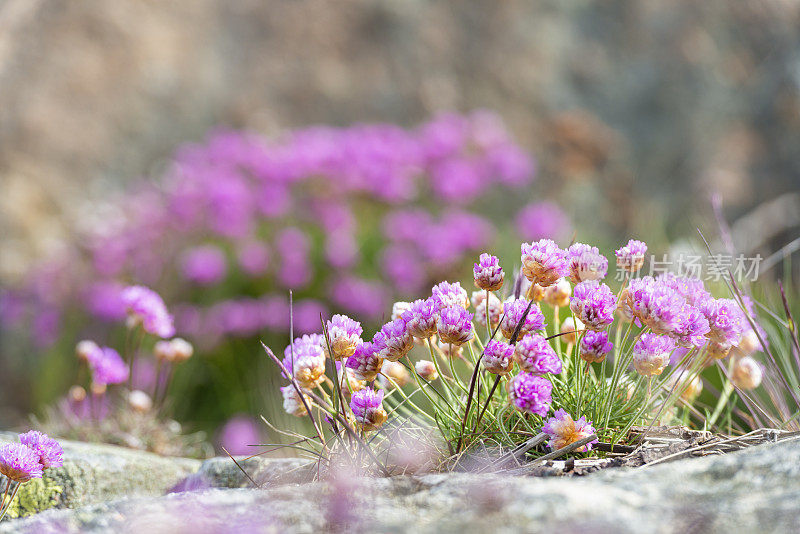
517	453
240	468
563	450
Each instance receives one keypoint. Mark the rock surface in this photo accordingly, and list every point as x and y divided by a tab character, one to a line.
94	473
756	490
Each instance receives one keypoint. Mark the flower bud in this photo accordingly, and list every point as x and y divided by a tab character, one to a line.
426	369
568	328
164	351
747	373
182	349
84	349
558	294
77	394
140	401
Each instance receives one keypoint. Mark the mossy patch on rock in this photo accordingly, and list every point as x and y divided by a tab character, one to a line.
35	496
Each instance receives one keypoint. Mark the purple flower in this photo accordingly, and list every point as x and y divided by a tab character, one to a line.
365	362
19	462
204	265
394	340
344	335
254	258
108	367
367	406
651	354
586	263
498	357
530	393
535	355
49	451
239	434
513	311
454	325
594	304
725	320
145	307
541	220
563	430
422	315
447	295
543	262
631	256
487	273
655	304
595	346
692	328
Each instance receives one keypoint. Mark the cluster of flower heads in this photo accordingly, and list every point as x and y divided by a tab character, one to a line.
237	210
675	314
26	460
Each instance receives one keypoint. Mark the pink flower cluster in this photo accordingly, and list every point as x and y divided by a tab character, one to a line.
247	218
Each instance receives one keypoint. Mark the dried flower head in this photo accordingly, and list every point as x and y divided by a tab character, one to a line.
514	313
530	393
558	294
48	450
586	263
631	256
563	430
747	373
366	362
19	462
535	355
344	334
422	323
292	402
595	346
454	325
426	369
146	307
393	341
487	273
543	262
498	357
367	406
447	295
651	354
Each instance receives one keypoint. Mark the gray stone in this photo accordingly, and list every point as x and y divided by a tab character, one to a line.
222	472
756	490
94	472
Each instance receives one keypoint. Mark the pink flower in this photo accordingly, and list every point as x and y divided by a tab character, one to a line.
563	430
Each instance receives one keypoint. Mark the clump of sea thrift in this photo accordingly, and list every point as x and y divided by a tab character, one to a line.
664	317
